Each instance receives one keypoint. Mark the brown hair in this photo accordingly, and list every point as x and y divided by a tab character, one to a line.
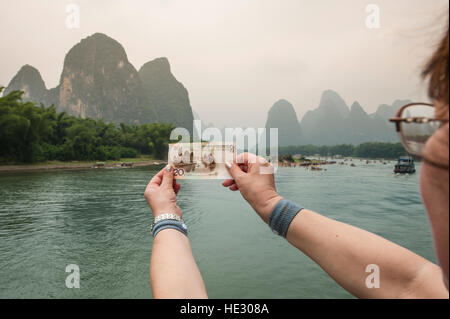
437	71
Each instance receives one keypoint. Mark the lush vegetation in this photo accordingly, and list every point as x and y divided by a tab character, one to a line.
31	133
365	150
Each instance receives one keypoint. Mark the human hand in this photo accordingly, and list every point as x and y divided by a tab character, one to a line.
161	193
253	177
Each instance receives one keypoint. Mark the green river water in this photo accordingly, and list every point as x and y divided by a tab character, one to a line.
99	220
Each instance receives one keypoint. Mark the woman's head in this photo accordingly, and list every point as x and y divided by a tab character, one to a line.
434	179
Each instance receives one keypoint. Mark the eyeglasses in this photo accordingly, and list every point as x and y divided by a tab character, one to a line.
415	124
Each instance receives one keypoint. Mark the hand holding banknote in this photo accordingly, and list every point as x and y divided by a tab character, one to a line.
253	177
161	193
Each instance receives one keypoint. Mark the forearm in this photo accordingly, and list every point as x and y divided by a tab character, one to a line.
344	252
173	270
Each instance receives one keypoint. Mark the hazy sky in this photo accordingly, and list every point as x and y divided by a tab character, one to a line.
237	57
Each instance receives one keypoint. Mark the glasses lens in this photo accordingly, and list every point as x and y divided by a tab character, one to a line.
415	134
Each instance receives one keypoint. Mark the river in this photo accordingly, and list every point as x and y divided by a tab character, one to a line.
99	220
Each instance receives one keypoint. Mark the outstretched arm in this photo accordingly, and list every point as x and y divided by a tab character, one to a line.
173	270
343	251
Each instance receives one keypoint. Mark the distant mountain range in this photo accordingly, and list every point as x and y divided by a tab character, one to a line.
98	81
282	116
333	122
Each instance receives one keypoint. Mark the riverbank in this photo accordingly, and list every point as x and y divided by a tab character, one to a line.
128	163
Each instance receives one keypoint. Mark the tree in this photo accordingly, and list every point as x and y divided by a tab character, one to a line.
30	133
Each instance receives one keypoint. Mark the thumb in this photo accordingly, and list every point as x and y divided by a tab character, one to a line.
235	171
167	181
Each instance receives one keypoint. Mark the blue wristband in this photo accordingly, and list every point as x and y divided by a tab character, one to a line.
282	216
169	223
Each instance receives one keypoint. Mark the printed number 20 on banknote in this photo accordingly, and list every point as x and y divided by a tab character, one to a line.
201	160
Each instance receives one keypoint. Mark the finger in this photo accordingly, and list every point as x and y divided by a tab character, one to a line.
234	170
250	160
245	158
167	180
156	179
263	161
228	182
176	188
234	188
243	167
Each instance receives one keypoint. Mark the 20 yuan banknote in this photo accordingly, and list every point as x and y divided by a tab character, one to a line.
201	160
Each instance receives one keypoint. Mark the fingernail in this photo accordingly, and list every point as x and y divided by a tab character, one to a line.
228	164
168	167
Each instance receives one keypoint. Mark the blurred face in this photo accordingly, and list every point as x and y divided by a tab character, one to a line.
434	185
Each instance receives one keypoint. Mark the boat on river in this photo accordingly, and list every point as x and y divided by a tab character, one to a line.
405	165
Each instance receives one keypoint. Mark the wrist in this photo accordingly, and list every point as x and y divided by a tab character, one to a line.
269	204
282	215
156	214
178	225
169	210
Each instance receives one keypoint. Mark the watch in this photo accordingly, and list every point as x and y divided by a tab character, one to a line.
170	216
